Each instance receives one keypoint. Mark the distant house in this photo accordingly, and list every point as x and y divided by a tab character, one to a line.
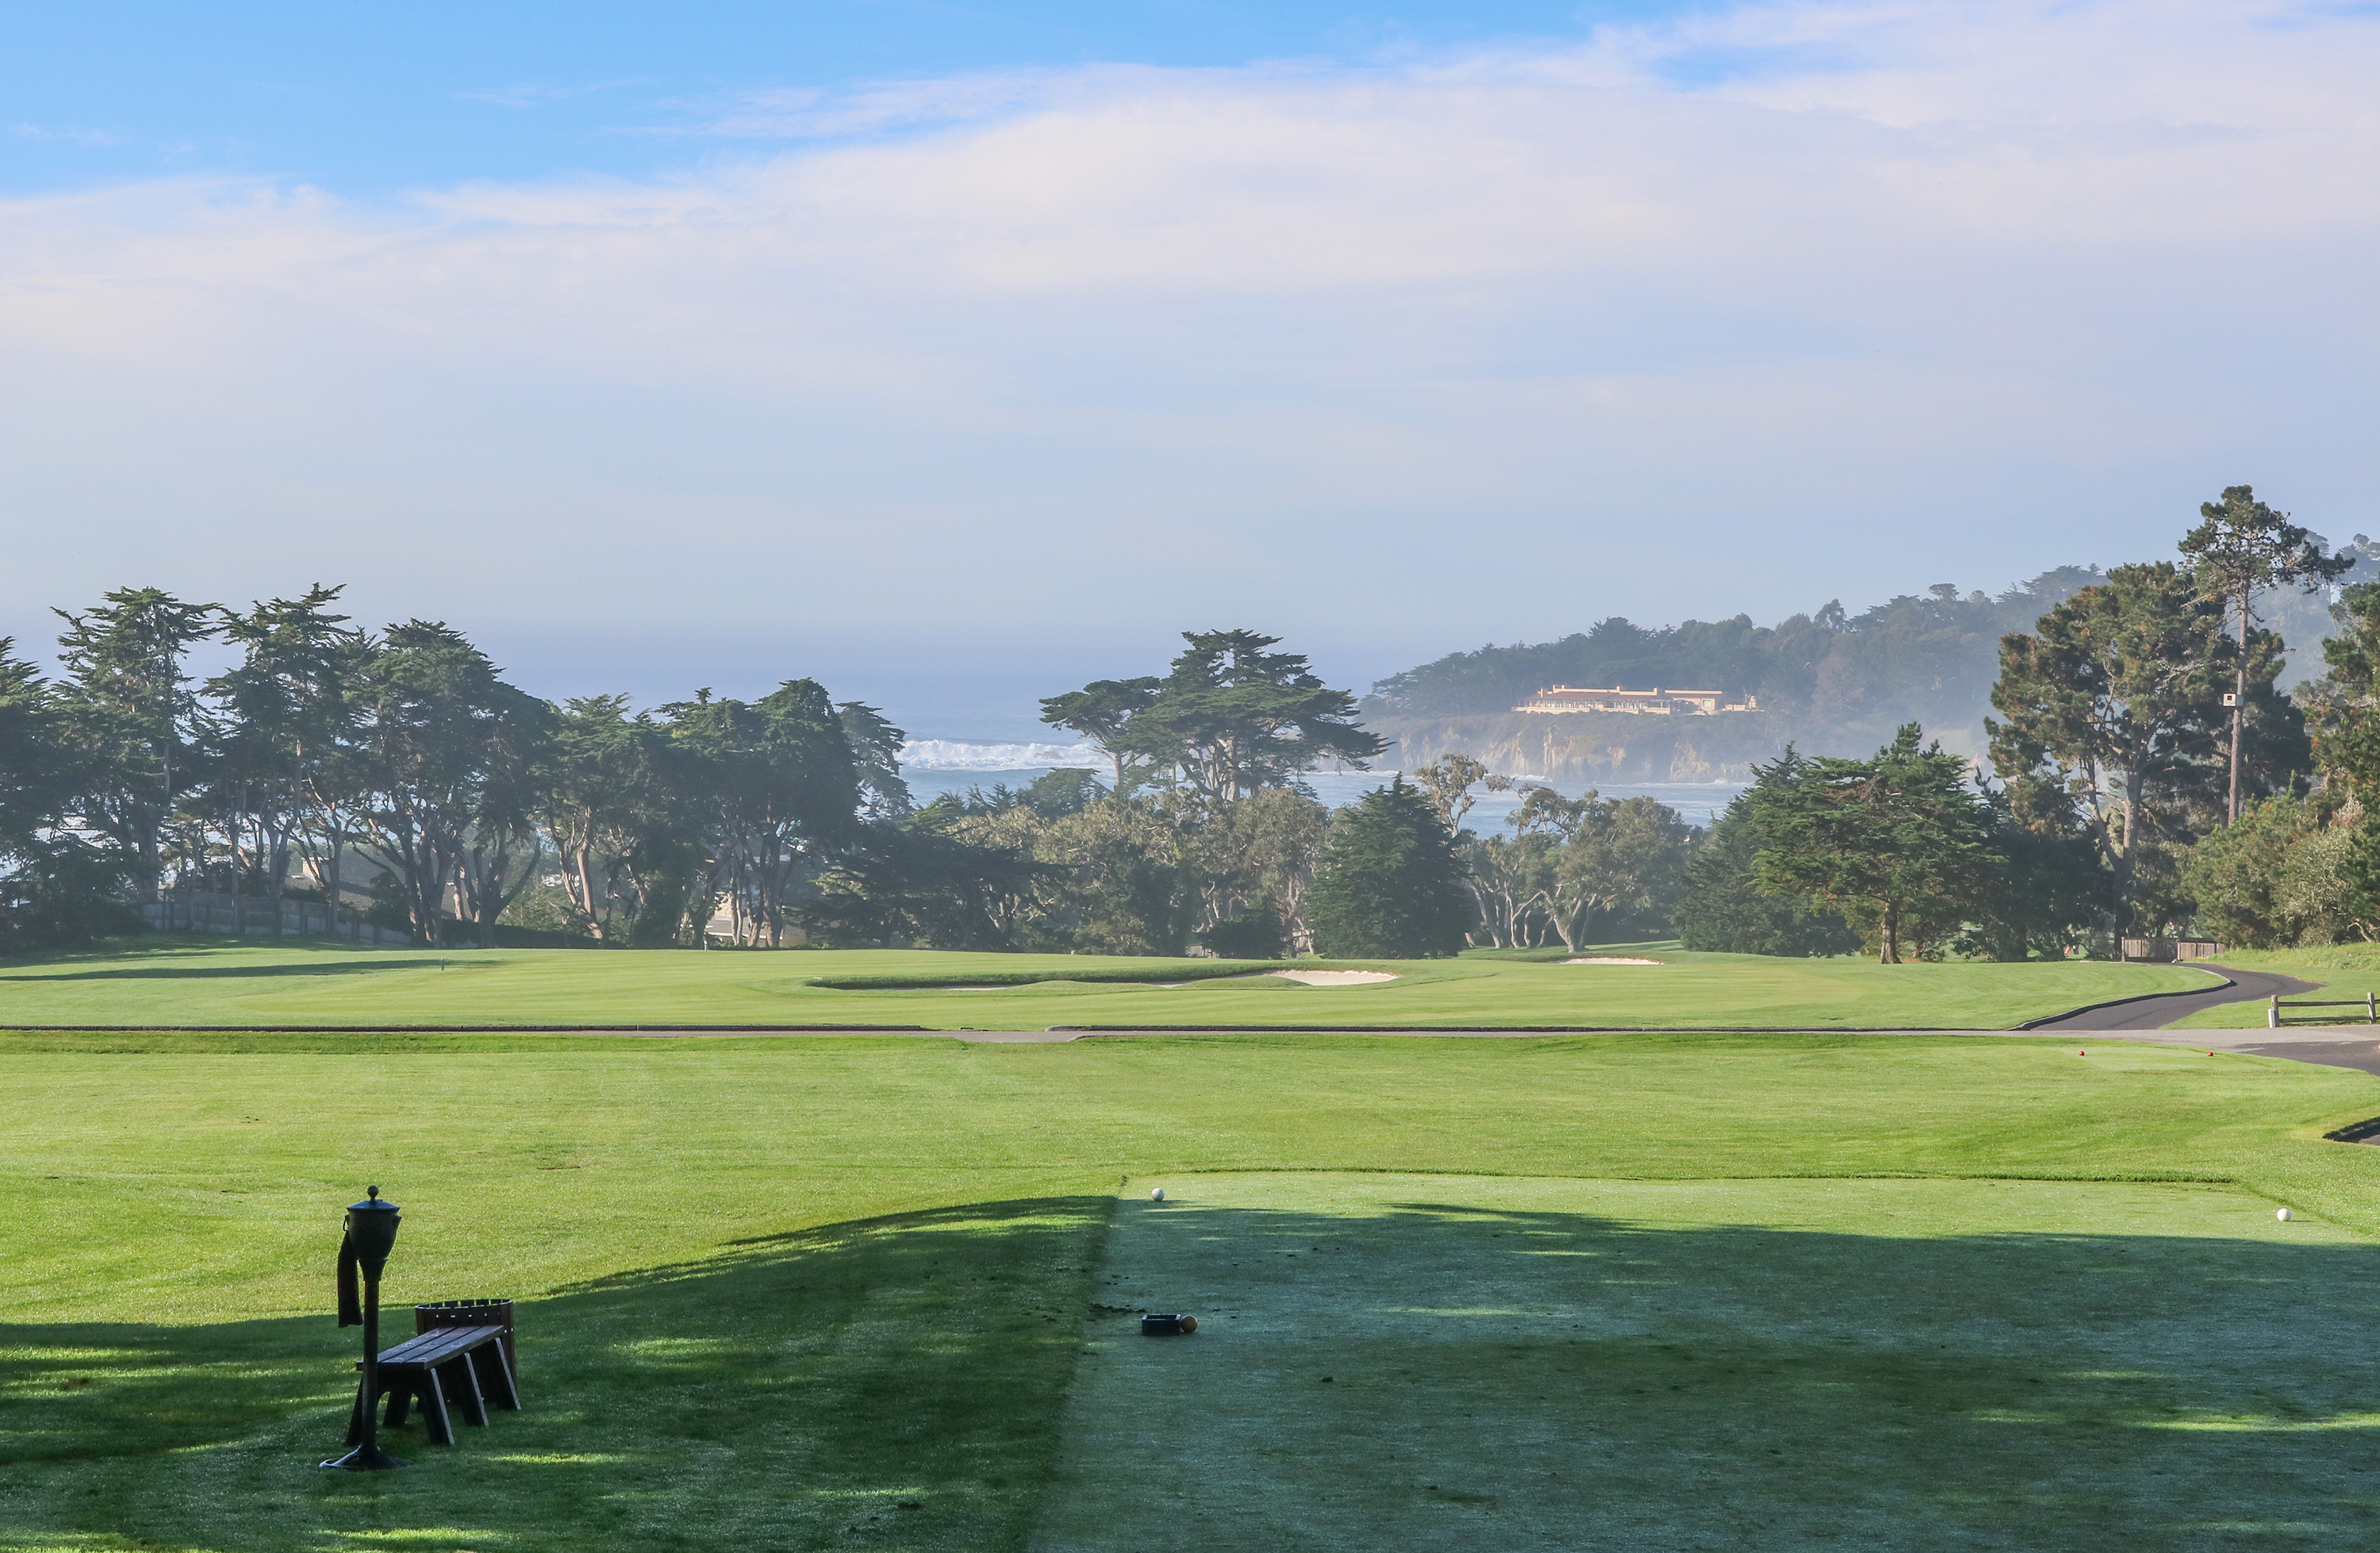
1659	703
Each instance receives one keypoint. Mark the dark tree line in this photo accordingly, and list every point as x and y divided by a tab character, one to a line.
331	760
404	754
2147	775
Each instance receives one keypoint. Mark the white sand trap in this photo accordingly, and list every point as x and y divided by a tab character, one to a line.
1610	960
1335	978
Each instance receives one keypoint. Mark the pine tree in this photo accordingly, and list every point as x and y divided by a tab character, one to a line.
1389	886
1899	843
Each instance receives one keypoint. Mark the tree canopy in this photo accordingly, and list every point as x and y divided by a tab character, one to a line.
2240	547
1899	845
1230	717
1389	886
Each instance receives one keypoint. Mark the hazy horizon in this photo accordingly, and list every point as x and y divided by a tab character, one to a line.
954	359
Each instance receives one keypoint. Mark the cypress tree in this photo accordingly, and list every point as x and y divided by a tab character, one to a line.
1389	886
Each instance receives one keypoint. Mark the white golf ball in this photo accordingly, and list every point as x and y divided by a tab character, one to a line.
2283	1215
1158	1195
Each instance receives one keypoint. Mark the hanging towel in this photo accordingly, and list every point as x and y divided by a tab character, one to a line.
351	1304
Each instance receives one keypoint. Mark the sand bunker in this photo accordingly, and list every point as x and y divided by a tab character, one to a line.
1608	960
1334	978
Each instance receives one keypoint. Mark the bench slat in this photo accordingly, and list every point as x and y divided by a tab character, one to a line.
440	1344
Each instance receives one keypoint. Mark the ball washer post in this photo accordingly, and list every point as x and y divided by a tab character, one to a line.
370	1233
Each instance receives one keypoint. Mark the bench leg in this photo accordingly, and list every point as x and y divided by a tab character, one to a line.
495	1376
400	1393
465	1378
434	1410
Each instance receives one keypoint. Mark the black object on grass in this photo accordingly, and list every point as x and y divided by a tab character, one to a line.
370	1235
1168	1326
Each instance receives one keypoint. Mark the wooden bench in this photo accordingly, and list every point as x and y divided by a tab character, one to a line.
464	1363
472	1312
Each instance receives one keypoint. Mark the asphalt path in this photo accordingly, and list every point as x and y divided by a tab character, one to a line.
2361	1052
2156	1012
2335	1046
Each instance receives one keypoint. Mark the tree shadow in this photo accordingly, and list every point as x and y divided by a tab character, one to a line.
1535	1379
216	972
897	1375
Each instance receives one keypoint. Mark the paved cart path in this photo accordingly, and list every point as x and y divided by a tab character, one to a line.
2164	1009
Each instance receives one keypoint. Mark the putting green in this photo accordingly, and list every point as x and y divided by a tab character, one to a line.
1433	1362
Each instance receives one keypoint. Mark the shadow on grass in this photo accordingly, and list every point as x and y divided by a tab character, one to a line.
897	1380
1444	1376
218	973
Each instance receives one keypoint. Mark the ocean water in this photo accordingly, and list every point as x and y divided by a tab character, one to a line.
934	767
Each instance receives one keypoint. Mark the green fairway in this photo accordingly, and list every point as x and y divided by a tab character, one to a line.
1445	1362
832	1291
197	982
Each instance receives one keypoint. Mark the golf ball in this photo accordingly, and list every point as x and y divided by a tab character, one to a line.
2283	1215
1158	1195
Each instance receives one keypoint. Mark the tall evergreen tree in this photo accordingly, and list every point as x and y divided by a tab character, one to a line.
782	798
1103	711
452	751
876	747
1389	886
2113	701
35	773
1899	844
56	890
1230	717
2241	548
614	795
2346	701
1722	909
131	718
1233	716
279	734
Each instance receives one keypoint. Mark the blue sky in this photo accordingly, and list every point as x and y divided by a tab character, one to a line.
959	354
370	98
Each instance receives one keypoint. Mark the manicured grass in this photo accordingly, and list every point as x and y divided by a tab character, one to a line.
776	1290
201	982
894	1383
1420	1362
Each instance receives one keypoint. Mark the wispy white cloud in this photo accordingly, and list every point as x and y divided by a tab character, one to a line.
1778	302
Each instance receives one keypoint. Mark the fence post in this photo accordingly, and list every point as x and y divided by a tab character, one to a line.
2273	1014
2371	1007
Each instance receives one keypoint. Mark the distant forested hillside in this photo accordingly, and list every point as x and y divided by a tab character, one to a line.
1931	655
1831	682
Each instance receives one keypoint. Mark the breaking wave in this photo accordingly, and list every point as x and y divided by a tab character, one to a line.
967	754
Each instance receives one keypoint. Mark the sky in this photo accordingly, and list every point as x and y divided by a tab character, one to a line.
957	354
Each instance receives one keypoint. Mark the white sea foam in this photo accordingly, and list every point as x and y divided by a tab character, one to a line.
969	754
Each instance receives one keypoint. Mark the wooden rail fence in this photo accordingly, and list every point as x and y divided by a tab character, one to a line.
2275	1018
